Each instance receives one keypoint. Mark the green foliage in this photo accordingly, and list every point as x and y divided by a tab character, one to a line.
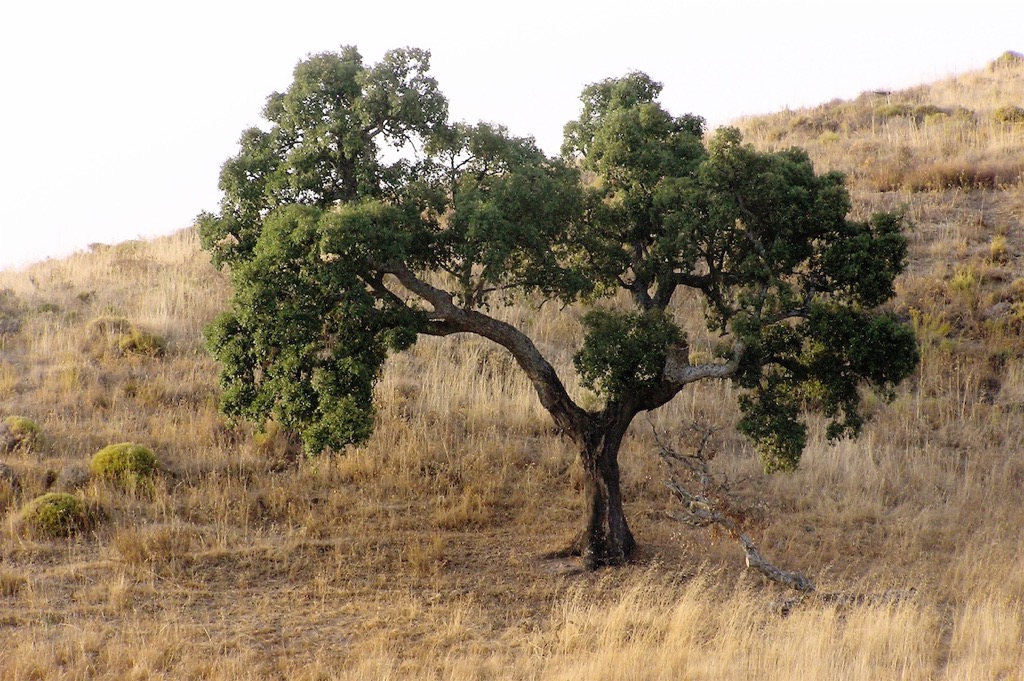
771	418
919	113
923	112
510	207
820	366
339	256
893	110
306	341
314	218
127	464
55	515
118	336
781	257
19	432
624	353
1009	114
1007	60
323	145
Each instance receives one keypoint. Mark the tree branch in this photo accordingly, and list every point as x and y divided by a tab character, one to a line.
703	512
448	318
680	372
380	291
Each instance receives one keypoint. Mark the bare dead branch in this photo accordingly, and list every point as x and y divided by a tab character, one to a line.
704	511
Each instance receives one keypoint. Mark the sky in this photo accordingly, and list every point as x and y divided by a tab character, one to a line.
117	116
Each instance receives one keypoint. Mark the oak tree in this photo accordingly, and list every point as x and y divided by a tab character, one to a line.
358	218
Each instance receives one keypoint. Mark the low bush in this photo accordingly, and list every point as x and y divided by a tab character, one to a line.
1009	114
107	335
19	433
126	463
893	110
1007	60
55	515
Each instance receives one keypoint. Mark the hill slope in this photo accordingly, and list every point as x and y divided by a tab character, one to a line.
416	556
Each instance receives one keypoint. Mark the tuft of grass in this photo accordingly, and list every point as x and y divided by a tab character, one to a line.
11	583
141	342
998	249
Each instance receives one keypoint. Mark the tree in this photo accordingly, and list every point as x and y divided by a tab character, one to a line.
338	257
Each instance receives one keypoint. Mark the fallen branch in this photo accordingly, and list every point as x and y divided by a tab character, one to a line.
704	512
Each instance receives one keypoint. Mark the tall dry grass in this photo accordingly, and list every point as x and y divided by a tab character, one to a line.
417	556
958	133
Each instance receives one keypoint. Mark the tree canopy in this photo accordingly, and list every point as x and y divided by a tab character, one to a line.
359	218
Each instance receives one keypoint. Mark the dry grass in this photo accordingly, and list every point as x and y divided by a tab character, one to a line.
417	556
959	133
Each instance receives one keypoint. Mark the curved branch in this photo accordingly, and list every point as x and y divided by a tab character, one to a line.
447	318
667	286
375	283
678	371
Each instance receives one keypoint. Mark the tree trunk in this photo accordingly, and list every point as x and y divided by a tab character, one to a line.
606	538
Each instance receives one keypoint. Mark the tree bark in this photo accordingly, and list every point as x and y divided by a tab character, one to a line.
606	538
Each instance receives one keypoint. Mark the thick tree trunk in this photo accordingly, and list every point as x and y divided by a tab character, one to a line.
606	538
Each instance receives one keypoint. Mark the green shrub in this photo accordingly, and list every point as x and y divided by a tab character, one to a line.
919	113
1007	60
923	111
998	249
116	334
18	432
1009	114
55	515
140	342
893	110
125	463
964	115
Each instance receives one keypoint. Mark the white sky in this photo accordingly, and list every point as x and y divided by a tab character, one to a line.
117	115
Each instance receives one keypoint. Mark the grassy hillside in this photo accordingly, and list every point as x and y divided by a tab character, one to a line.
418	555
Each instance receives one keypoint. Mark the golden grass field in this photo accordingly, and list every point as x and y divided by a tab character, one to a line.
418	556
